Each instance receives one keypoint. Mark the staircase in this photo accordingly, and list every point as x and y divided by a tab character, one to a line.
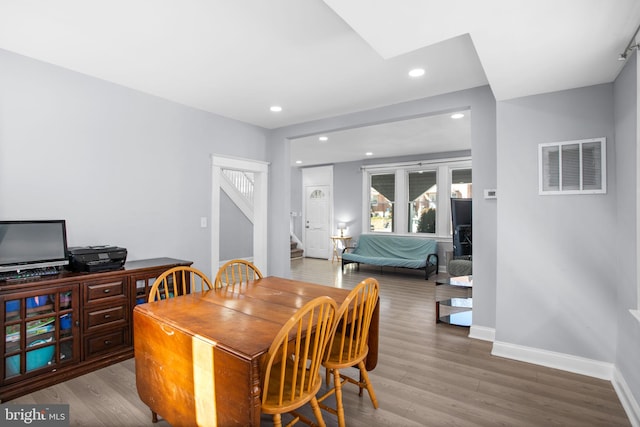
238	185
295	251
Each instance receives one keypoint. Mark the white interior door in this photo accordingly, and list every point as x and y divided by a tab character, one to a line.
316	221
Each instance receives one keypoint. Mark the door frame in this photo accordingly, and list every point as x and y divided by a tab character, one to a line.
260	206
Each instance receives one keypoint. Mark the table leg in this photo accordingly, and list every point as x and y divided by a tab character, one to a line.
335	250
374	332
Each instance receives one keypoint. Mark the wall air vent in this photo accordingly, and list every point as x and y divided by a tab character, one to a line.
573	167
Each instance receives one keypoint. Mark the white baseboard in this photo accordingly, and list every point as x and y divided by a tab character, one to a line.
482	333
630	405
565	362
551	359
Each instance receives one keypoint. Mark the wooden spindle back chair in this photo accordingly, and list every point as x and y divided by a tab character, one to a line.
236	272
349	345
178	281
291	371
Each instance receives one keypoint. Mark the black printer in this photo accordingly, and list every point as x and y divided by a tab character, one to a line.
96	258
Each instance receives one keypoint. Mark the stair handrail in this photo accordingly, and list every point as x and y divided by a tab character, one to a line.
242	181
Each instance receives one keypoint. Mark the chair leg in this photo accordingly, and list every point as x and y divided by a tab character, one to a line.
317	412
337	384
277	420
154	417
365	376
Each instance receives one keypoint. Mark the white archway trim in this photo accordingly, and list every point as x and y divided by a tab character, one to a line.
261	174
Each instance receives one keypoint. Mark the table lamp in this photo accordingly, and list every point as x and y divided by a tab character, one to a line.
342	226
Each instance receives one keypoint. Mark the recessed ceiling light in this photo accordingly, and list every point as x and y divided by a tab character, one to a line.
323	138
368	153
416	72
298	162
457	116
276	108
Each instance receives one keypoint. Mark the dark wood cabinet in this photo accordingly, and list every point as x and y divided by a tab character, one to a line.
40	332
106	314
59	327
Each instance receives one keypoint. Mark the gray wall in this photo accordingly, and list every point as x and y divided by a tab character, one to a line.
347	197
236	231
122	167
557	255
482	103
625	269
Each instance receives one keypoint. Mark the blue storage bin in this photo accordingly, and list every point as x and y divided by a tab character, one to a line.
65	321
37	301
12	365
35	359
13	305
40	357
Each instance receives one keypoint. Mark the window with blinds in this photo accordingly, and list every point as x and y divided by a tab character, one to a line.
423	201
382	196
572	167
412	198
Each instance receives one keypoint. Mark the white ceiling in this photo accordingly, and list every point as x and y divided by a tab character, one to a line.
320	59
429	134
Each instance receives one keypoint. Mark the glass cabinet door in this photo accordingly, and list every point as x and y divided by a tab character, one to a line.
39	331
142	286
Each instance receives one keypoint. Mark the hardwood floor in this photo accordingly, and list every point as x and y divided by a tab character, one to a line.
428	374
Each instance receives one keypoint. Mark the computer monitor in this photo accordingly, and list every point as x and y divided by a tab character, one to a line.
32	244
461	217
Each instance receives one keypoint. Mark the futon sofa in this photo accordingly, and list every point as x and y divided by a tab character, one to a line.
393	251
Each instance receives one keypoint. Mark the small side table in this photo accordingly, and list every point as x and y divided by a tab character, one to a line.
457	300
345	240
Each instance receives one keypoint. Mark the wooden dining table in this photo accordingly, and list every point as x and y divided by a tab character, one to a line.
198	356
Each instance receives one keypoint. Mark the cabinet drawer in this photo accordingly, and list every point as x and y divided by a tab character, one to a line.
106	343
105	316
96	291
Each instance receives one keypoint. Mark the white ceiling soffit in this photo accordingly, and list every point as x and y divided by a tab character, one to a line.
237	58
234	58
525	47
416	136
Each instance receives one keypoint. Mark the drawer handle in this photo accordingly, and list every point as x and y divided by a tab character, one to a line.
107	342
106	291
107	316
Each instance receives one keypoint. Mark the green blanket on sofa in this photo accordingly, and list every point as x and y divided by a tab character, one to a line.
394	251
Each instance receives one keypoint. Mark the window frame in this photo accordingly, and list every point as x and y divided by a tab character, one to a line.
401	204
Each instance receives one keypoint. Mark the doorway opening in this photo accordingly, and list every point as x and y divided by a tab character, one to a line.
258	212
